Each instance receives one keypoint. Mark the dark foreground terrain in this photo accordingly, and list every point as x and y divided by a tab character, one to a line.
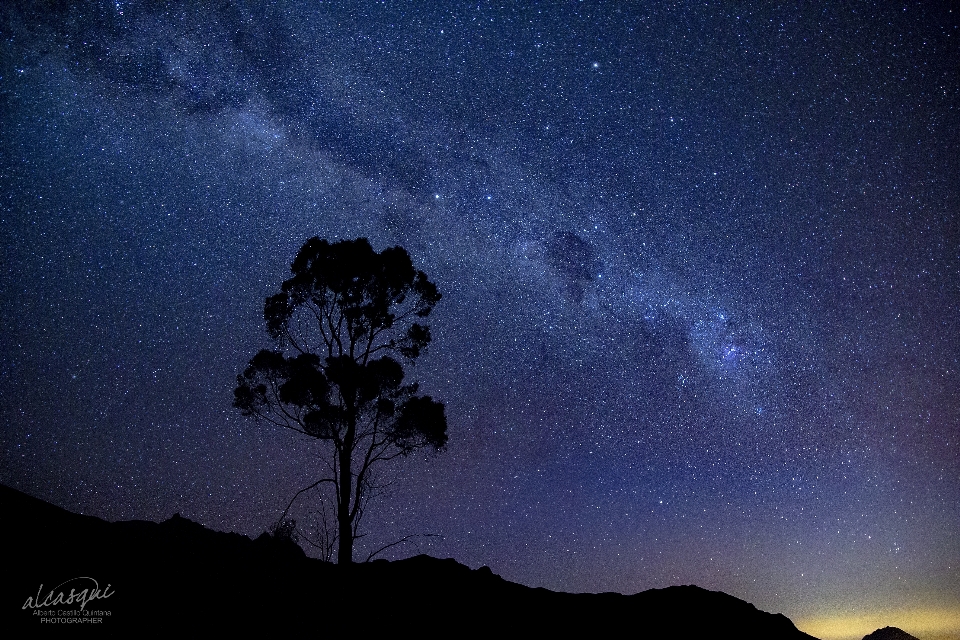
178	576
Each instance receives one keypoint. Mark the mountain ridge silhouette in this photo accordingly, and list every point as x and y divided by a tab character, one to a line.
889	633
179	575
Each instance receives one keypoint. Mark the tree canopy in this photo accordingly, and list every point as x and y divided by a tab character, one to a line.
344	324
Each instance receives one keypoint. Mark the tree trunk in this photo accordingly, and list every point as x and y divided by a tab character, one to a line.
345	552
344	525
345	531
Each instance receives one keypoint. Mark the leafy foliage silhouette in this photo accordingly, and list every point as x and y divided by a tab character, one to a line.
344	324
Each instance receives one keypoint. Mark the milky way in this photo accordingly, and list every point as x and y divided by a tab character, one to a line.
700	272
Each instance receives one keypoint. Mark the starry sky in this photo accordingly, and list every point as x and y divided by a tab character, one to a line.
700	266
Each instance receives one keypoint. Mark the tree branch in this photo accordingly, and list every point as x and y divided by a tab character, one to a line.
297	495
401	541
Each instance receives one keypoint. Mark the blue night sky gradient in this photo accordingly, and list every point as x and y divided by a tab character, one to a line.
700	268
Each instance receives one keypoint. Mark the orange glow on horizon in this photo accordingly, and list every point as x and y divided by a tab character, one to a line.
924	623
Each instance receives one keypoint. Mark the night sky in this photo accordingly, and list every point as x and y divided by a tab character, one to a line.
700	267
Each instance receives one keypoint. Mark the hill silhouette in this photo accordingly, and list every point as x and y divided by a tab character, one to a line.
177	575
889	633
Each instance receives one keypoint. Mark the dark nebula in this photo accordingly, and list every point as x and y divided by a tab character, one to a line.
574	260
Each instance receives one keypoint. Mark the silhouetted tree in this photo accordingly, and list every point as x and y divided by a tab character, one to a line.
343	324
